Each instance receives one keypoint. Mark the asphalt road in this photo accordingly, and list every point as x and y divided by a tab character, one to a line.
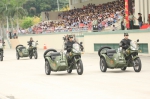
26	79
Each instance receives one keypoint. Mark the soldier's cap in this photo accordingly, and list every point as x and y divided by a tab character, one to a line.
70	36
126	34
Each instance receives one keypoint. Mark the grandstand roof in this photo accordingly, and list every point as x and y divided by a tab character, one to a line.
80	3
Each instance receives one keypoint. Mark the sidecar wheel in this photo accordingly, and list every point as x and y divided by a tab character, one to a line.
47	68
79	67
69	71
103	65
123	68
17	56
137	66
1	57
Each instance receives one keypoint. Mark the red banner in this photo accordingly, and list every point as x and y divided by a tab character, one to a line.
127	13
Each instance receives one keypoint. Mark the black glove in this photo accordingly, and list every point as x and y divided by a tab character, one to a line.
68	49
125	46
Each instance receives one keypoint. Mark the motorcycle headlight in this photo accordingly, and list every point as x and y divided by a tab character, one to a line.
75	51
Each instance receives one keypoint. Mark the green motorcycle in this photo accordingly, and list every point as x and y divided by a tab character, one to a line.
22	51
110	58
62	61
1	51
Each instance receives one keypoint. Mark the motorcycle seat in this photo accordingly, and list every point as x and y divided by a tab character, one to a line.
55	54
110	52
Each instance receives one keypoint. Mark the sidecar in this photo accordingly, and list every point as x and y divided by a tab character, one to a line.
54	61
110	58
21	51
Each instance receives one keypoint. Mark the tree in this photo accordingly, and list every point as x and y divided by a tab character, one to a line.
35	7
27	22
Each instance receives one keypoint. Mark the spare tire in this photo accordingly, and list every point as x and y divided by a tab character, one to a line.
49	50
18	46
99	51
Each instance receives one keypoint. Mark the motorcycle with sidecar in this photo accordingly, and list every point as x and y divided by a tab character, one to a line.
62	61
111	58
2	50
22	51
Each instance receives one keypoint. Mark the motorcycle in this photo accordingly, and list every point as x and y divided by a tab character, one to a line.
110	58
22	51
62	61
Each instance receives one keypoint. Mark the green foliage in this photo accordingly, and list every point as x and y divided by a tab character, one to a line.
35	7
27	22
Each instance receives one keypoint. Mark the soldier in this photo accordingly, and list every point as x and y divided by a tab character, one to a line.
69	43
30	42
125	43
68	46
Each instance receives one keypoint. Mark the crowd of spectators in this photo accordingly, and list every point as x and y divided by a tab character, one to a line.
106	14
81	18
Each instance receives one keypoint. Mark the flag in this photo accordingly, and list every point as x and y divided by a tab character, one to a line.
127	13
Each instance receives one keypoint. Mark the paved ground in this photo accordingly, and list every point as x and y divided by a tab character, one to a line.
26	79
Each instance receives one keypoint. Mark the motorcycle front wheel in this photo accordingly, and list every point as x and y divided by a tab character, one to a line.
35	55
137	65
69	71
79	65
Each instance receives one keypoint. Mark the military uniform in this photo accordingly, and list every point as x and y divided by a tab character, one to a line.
69	45
125	43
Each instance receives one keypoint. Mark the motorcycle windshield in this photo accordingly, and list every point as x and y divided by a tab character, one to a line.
1	45
134	45
33	44
76	47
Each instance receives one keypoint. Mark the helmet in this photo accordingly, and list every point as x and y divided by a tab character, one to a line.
126	34
70	36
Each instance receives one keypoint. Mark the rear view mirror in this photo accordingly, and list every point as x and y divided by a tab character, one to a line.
81	43
137	40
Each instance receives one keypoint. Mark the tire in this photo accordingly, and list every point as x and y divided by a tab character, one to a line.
30	56
79	67
139	65
35	55
47	68
18	46
99	51
69	71
49	50
17	56
103	65
123	68
1	56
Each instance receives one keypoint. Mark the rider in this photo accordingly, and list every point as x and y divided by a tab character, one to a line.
30	42
69	43
125	43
